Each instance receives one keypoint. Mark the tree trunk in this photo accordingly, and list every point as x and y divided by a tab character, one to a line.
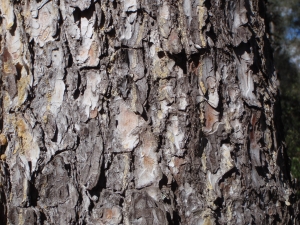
140	112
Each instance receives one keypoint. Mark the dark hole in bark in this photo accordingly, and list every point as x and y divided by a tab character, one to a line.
195	59
34	194
115	4
14	27
207	4
174	186
3	210
202	144
169	218
101	184
70	60
161	54
121	202
88	13
176	218
76	94
180	60
43	218
78	141
68	169
77	91
54	139
19	69
163	181
262	9
262	171
223	4
76	15
167	201
144	115
212	34
102	20
112	33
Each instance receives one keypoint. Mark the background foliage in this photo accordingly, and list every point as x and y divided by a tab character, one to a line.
285	30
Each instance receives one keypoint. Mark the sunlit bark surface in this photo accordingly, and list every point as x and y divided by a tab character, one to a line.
140	112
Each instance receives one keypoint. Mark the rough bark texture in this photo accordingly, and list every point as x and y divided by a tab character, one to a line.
140	112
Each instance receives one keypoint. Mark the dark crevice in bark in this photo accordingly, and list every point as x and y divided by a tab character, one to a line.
101	182
3	195
54	139
33	192
180	60
262	10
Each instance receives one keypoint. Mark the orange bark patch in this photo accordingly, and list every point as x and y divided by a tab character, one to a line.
21	127
128	128
112	215
3	140
254	119
3	157
93	113
108	214
44	34
149	143
25	135
173	36
7	11
23	84
8	67
211	117
6	55
93	54
148	162
45	17
175	165
127	120
178	162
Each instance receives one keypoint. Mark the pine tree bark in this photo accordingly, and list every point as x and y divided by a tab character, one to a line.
140	112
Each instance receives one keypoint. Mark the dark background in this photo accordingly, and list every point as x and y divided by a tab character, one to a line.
284	26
